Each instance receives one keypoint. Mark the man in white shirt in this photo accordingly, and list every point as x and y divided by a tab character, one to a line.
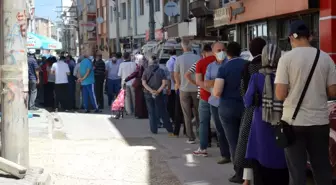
126	68
61	71
311	125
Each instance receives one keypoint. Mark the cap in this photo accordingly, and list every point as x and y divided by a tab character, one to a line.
31	51
298	28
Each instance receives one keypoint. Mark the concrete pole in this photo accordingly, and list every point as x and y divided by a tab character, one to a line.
117	16
151	23
14	76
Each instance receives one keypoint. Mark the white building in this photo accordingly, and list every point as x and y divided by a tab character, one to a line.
133	22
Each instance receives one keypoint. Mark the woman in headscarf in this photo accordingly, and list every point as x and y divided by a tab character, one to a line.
256	47
140	103
267	159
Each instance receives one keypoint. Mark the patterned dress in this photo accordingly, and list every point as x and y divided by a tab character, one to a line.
245	125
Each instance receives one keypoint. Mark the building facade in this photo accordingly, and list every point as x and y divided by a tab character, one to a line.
102	28
43	26
87	29
128	21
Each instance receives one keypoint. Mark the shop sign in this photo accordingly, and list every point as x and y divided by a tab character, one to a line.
158	34
52	46
225	15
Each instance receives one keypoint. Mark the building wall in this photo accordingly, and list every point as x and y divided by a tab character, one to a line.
102	37
126	25
43	27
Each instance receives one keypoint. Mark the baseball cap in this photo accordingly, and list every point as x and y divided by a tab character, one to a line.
298	28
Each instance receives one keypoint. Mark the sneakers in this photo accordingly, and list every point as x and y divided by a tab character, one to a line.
97	111
223	160
190	141
200	152
34	108
236	179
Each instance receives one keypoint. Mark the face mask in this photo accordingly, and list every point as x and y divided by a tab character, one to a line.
220	56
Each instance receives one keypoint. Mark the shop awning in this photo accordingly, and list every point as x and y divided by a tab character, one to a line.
35	41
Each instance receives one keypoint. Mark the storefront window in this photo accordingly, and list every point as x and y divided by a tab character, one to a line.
257	30
232	36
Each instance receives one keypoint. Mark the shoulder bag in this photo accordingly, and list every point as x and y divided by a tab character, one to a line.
284	133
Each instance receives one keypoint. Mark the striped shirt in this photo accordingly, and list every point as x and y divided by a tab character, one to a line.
192	70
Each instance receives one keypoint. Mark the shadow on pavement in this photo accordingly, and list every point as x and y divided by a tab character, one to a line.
158	171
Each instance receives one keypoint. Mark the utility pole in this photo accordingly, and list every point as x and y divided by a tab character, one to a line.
14	78
117	16
151	23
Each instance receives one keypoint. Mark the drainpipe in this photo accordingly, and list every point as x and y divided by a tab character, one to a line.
135	20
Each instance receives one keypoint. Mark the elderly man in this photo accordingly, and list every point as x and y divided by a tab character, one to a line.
188	91
99	73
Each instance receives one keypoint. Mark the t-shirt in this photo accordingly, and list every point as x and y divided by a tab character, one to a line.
61	69
51	77
293	69
125	69
155	81
182	64
231	73
211	74
170	65
112	70
86	64
201	67
32	67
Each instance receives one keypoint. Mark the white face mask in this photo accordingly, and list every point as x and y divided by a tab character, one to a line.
221	55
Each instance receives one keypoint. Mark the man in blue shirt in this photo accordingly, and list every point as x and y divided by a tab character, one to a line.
231	105
87	81
33	75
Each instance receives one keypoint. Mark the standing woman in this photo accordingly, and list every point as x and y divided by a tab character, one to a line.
231	104
256	47
140	102
268	160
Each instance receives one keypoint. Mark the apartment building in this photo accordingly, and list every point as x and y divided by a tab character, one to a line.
102	27
87	25
133	23
43	26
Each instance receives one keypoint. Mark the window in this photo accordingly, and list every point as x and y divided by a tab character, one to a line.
141	7
157	5
123	8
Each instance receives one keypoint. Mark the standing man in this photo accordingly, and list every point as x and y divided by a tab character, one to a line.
311	126
33	75
188	91
86	78
126	68
61	71
113	80
204	106
99	72
78	93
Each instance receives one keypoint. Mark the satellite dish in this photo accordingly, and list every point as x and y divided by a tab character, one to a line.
100	20
171	9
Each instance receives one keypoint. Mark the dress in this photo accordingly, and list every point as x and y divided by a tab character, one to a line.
140	102
262	146
245	125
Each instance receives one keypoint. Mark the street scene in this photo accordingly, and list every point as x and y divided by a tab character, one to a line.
167	92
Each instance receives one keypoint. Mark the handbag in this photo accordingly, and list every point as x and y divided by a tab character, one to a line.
284	132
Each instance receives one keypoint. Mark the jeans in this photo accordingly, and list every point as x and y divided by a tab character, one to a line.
205	118
130	99
314	141
113	88
32	94
157	109
223	143
230	117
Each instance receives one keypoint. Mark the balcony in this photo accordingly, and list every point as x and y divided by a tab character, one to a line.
199	9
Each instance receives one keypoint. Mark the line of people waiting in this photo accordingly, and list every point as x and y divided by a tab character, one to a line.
247	100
